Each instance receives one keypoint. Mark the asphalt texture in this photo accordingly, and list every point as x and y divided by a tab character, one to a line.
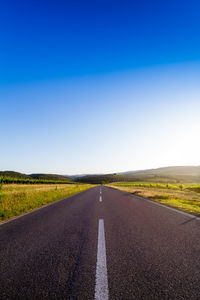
151	252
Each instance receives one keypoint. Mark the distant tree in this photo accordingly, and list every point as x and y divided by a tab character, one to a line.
181	186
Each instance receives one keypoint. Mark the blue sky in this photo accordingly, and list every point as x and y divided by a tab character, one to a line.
99	86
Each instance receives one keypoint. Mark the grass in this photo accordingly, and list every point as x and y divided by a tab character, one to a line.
16	199
186	198
195	188
149	185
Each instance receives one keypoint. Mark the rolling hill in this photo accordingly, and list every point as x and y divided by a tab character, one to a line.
14	174
173	171
50	177
17	175
175	175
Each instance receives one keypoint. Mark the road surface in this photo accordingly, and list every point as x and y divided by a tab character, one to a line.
111	245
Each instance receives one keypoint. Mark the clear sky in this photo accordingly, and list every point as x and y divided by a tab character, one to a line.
99	86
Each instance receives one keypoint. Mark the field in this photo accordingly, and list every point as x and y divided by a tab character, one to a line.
183	197
16	199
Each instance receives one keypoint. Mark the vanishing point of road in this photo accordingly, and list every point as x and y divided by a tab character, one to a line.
101	244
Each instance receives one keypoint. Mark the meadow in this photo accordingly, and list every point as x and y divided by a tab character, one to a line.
16	199
183	197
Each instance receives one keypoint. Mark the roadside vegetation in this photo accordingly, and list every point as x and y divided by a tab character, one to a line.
16	199
16	177
183	197
8	180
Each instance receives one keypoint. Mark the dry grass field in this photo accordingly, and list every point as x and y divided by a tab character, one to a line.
181	197
16	199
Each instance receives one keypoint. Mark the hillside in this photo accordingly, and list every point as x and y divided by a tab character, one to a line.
13	174
174	175
17	175
50	177
174	171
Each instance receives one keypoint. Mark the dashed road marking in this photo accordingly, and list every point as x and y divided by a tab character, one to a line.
100	197
101	287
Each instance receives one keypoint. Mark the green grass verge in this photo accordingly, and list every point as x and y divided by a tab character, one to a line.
16	199
190	206
149	185
186	198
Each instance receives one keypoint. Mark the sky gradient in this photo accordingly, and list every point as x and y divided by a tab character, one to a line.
99	86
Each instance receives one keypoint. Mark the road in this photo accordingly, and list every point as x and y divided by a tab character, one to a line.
109	246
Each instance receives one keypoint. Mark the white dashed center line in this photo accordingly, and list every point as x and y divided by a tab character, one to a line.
101	287
100	197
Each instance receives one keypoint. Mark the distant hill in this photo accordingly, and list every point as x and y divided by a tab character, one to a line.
13	174
50	177
175	170
54	177
96	179
174	175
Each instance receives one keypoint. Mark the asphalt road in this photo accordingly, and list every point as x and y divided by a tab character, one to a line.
116	246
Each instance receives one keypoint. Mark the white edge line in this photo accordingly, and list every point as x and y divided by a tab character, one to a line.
101	286
38	208
162	205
